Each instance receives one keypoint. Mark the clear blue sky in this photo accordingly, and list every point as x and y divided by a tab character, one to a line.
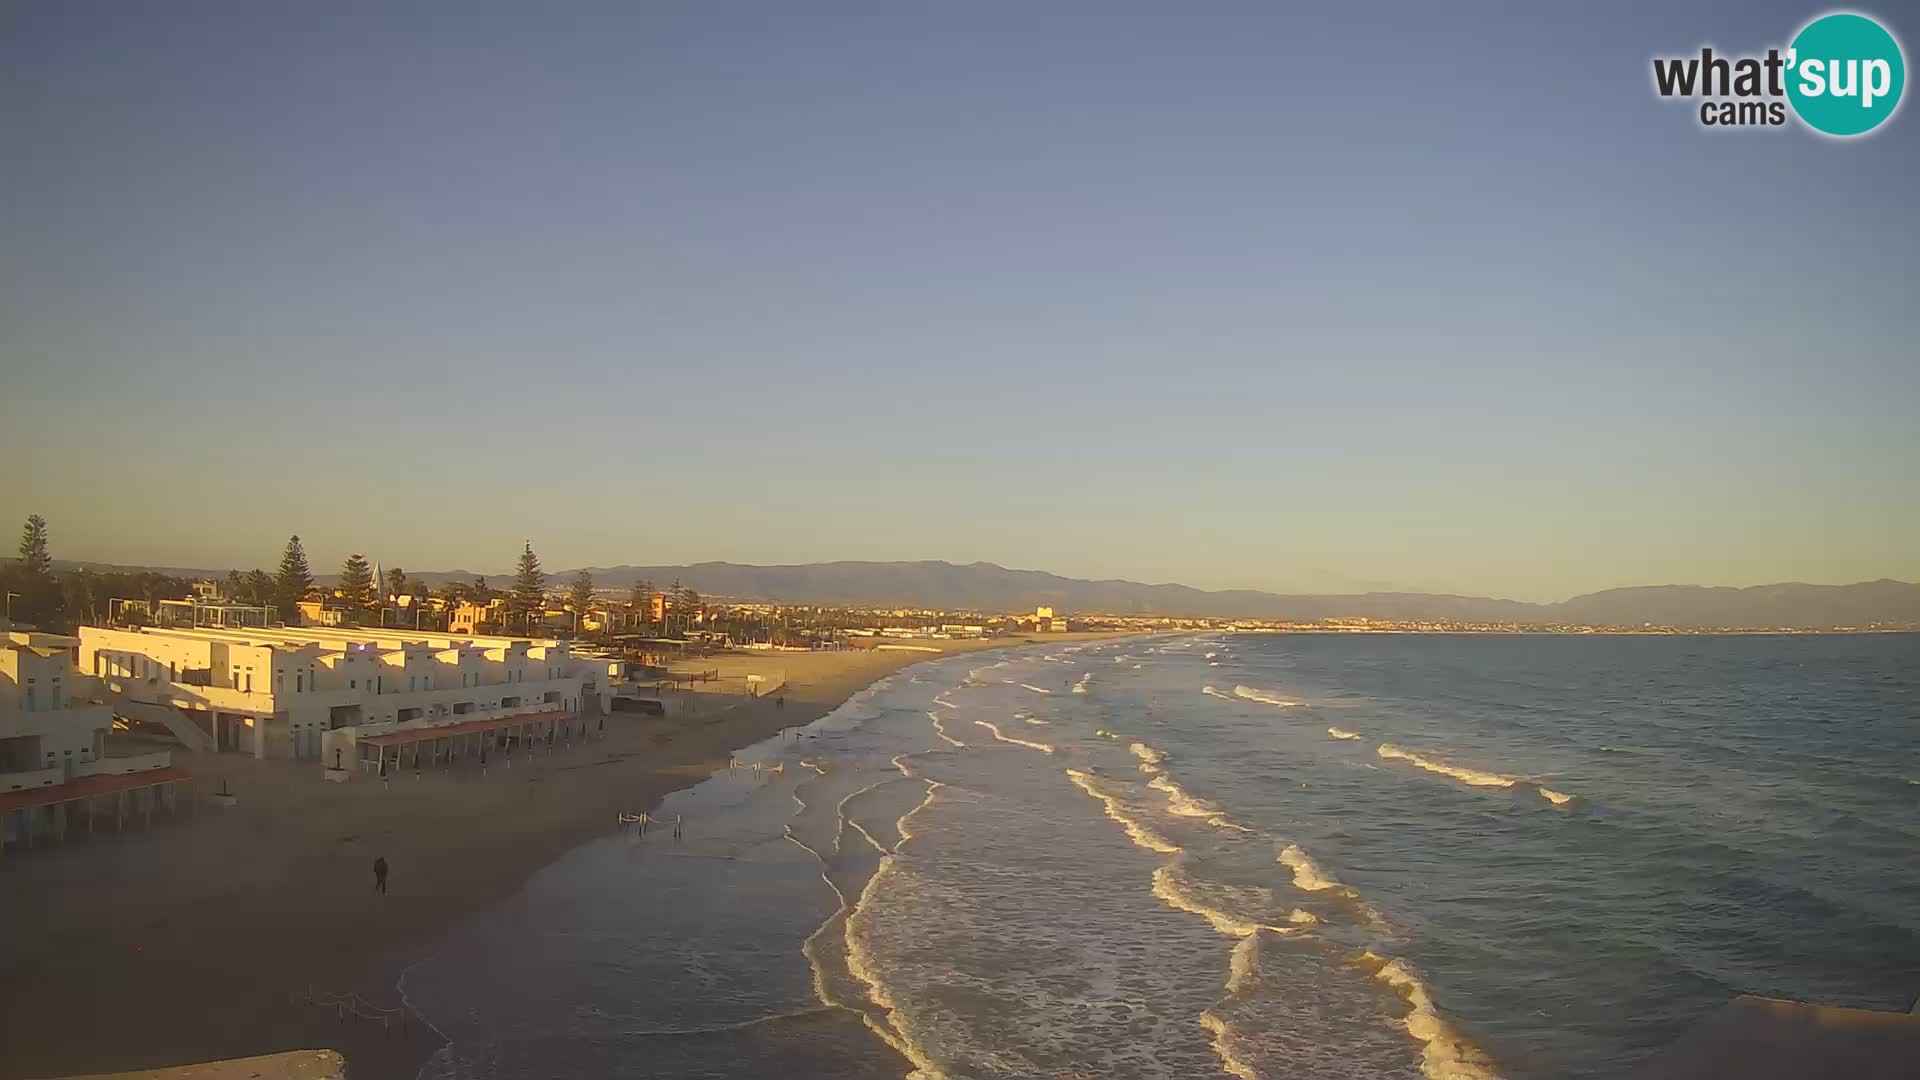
1378	298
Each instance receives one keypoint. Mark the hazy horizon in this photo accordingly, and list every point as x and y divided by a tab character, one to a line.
328	568
1308	303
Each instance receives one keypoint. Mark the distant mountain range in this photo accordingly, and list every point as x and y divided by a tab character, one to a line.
988	588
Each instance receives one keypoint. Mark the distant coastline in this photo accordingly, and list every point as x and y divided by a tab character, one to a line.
936	586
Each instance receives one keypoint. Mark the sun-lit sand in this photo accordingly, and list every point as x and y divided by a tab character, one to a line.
192	941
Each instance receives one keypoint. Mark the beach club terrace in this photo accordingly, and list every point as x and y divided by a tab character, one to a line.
346	697
53	746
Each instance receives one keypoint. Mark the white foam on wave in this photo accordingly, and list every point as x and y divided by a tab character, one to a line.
1471	777
1147	753
942	701
1137	831
1211	655
1179	802
1035	689
897	1031
941	730
1342	733
1182	804
1005	738
1307	874
1177	890
1447	1055
1081	686
1212	692
1265	697
1243	964
1223	1048
841	810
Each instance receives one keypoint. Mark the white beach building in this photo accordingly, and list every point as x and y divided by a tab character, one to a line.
349	697
53	753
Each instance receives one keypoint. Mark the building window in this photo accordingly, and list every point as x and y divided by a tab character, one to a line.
299	681
353	684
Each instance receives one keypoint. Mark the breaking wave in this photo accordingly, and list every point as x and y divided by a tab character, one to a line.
1265	697
1447	1055
1342	733
1470	777
941	730
1179	891
1147	754
1473	777
1137	831
1005	738
893	1028
1211	692
1081	686
1307	874
1035	689
1181	804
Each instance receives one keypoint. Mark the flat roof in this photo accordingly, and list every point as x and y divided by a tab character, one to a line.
466	727
88	787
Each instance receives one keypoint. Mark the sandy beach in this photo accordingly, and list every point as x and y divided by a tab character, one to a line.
206	937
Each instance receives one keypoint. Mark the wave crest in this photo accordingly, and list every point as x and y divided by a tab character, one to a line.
1265	697
1006	738
1307	874
1137	831
1470	777
1448	1055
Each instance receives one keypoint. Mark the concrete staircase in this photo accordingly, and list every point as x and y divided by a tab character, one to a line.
190	734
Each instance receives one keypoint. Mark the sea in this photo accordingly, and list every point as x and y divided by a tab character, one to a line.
1236	855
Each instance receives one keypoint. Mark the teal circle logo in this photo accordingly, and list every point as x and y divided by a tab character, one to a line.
1845	73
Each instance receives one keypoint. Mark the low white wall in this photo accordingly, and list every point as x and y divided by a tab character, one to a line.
20	781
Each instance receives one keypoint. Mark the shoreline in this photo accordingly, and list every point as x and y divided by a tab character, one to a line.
198	941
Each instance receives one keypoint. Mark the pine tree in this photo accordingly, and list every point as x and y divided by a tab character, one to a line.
34	557
294	581
40	597
356	581
580	597
673	608
529	587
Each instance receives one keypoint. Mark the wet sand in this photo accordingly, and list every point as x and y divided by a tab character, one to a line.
204	938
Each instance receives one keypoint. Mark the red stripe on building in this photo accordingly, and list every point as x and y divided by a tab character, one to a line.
88	787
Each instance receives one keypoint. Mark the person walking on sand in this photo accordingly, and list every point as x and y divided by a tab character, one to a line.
380	874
